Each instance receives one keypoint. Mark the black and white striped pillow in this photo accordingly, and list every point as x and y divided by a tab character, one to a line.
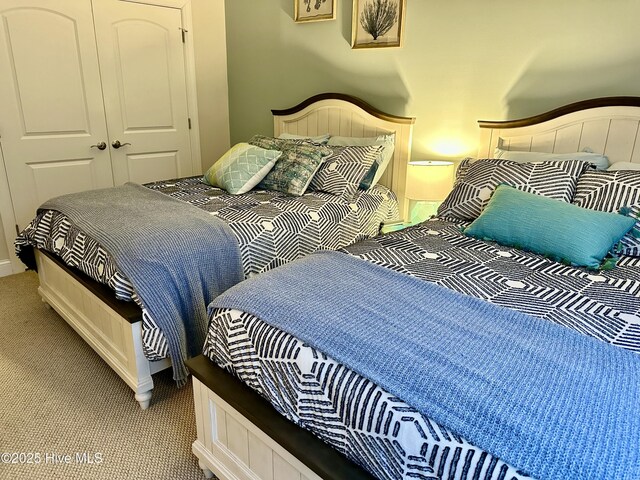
478	179
613	191
343	170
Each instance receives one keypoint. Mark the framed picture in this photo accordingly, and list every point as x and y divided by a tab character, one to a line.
314	10
377	23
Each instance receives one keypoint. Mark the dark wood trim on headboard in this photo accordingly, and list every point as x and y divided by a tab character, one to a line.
564	110
347	98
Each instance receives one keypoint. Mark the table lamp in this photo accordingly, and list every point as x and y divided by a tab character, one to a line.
428	184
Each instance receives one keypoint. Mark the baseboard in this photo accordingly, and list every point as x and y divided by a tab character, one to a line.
5	268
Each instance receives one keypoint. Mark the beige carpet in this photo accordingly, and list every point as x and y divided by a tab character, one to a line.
58	398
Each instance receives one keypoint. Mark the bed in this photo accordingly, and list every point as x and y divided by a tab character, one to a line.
242	435
122	333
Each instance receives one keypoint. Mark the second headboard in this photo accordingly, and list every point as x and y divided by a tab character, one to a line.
347	116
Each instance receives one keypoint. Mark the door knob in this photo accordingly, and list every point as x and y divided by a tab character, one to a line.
100	146
117	144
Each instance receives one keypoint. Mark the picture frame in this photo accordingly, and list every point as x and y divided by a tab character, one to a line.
314	10
378	23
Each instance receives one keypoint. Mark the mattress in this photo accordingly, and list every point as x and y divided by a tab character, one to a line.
271	229
380	432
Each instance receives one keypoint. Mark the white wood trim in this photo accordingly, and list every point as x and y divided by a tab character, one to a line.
8	219
192	95
117	341
340	117
5	268
161	3
612	131
252	455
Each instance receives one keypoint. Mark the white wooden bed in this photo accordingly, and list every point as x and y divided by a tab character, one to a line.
607	125
241	438
113	328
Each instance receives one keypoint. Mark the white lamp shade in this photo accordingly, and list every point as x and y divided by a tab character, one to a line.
429	180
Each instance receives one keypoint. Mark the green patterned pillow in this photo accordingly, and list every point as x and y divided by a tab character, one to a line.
296	167
241	168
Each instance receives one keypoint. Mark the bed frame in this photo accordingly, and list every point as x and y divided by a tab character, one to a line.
241	438
608	125
114	329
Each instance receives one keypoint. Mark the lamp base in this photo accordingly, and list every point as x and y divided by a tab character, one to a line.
421	210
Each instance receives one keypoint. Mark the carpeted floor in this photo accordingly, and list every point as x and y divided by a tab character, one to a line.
59	401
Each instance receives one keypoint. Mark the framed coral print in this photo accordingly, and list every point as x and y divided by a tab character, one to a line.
377	23
314	10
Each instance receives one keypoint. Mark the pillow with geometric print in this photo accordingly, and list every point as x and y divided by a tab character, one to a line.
293	172
380	165
241	168
342	172
613	191
476	181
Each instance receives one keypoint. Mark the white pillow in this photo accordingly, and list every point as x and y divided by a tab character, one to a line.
623	166
321	139
601	162
388	141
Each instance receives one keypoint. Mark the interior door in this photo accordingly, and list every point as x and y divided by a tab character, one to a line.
52	111
143	76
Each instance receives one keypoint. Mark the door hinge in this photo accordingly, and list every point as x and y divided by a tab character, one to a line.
189	120
183	32
17	229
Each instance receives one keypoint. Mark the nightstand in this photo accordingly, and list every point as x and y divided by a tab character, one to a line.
393	226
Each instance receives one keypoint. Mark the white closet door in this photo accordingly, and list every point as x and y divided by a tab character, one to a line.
52	110
143	76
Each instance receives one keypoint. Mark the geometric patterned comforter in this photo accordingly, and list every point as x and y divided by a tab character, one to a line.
380	432
271	229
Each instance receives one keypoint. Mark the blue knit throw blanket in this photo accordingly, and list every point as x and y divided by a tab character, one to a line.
177	256
550	401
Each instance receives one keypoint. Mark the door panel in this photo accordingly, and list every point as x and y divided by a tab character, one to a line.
148	167
42	113
48	176
51	97
142	63
144	81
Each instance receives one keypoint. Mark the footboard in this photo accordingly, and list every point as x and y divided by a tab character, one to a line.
234	449
242	437
116	338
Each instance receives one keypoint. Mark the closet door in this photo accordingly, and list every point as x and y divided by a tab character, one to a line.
143	76
52	111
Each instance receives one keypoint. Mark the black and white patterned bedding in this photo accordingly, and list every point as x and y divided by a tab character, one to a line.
272	228
381	432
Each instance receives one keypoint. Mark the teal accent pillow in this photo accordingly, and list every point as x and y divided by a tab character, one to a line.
559	230
241	168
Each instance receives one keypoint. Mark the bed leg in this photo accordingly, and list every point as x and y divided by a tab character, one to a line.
46	304
207	473
144	399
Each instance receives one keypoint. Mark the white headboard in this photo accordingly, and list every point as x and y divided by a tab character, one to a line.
347	116
609	125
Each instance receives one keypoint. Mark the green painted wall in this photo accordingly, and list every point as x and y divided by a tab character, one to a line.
462	60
